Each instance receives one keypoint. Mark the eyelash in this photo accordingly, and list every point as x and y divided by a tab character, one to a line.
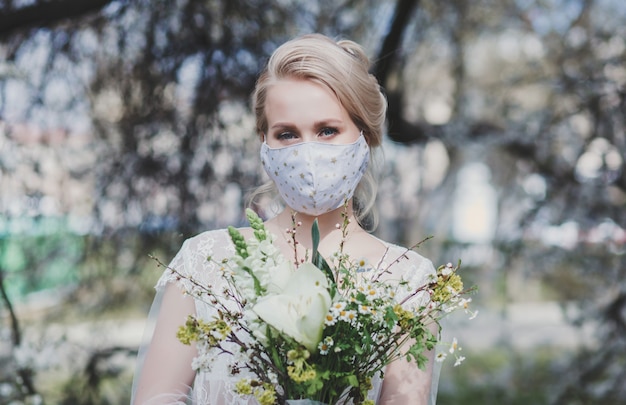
283	136
333	130
290	135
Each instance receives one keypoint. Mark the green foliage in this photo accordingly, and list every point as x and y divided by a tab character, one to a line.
35	263
501	376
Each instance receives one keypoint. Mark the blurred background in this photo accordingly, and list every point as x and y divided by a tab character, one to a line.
125	127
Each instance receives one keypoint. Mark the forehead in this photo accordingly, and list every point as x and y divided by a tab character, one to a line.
299	99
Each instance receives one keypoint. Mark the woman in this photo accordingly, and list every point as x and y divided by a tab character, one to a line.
319	113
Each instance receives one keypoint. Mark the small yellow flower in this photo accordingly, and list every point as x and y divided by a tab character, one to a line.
298	355
266	396
301	372
447	287
190	332
243	387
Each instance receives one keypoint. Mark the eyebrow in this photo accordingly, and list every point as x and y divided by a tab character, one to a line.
317	124
282	125
328	122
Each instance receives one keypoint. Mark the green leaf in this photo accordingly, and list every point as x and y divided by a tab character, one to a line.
315	236
390	317
352	380
317	258
258	288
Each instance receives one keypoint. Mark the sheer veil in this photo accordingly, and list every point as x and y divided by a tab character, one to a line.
149	328
145	340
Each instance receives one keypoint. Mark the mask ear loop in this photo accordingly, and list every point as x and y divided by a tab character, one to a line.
363	135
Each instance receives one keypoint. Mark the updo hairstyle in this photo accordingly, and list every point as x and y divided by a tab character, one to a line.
343	68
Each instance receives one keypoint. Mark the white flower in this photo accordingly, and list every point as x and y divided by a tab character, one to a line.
440	357
331	318
458	361
279	275
364	309
362	266
203	361
254	324
325	345
266	264
464	302
446	271
338	307
371	292
299	310
267	247
348	316
454	346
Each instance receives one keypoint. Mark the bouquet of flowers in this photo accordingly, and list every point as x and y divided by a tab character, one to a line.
315	329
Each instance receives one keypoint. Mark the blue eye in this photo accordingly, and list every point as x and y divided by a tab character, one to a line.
283	136
328	131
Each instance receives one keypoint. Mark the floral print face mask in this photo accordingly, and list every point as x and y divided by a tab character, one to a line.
315	177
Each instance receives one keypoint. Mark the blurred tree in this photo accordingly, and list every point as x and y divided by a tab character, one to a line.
533	90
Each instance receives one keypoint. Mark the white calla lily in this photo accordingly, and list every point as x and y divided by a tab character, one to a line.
279	276
299	310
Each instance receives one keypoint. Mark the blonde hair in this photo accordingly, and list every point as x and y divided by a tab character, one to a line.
342	67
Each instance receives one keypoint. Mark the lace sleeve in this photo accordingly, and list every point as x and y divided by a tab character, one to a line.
169	310
413	270
197	260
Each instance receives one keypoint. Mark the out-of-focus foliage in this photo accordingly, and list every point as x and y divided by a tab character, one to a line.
164	88
129	121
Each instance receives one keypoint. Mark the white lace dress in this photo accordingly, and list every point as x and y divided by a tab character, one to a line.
216	387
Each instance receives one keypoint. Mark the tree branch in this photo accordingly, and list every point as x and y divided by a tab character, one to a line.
400	130
46	14
16	337
25	374
391	43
